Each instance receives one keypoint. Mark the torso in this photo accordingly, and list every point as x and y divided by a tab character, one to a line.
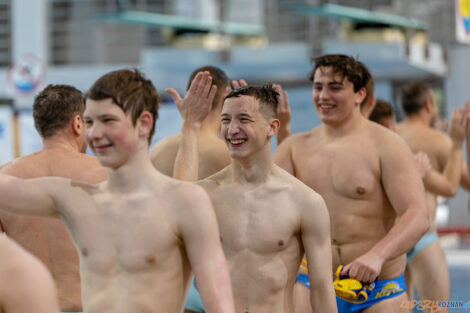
131	256
260	232
48	239
346	172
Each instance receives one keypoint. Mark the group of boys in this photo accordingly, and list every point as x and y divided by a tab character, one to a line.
347	195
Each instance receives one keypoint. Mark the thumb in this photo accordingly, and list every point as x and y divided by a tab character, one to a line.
174	94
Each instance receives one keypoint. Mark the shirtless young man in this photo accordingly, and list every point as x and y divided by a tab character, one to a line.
58	117
26	285
426	261
267	218
139	233
367	177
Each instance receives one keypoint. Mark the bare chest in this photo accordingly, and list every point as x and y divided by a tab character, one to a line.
336	170
130	234
261	221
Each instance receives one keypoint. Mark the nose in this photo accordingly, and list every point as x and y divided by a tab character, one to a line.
233	128
323	94
94	132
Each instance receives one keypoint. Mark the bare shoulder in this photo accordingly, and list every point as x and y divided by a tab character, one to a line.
383	137
186	194
301	194
166	145
298	138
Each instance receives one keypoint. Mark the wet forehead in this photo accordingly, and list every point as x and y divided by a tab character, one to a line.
241	105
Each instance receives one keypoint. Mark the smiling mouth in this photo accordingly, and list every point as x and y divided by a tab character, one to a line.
102	148
327	106
236	142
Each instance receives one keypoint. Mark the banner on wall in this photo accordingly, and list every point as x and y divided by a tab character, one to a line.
462	20
6	135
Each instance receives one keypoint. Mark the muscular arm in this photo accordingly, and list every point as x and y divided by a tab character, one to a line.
398	171
27	197
315	231
405	191
202	241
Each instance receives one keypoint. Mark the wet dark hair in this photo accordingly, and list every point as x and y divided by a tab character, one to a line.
219	78
414	97
266	95
356	72
54	107
130	91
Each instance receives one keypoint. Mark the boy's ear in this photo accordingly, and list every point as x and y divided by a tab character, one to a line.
144	124
274	127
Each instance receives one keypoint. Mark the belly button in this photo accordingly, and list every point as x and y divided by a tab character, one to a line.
84	251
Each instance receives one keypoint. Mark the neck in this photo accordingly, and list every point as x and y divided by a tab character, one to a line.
420	118
254	169
133	173
344	127
60	142
211	124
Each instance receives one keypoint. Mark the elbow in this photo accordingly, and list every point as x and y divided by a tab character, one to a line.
449	193
424	223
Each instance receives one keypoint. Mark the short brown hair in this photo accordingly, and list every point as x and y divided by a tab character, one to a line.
266	95
356	72
414	97
382	110
54	107
130	91
219	78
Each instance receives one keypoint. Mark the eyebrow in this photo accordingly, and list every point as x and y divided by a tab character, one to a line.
333	83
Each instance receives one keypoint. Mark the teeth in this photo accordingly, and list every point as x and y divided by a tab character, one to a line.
324	106
236	141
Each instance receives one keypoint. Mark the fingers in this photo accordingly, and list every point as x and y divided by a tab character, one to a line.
345	269
360	272
212	93
196	81
174	95
286	100
237	84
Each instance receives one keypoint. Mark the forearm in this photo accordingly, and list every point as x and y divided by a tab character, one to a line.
465	177
322	298
406	232
186	165
453	168
215	286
